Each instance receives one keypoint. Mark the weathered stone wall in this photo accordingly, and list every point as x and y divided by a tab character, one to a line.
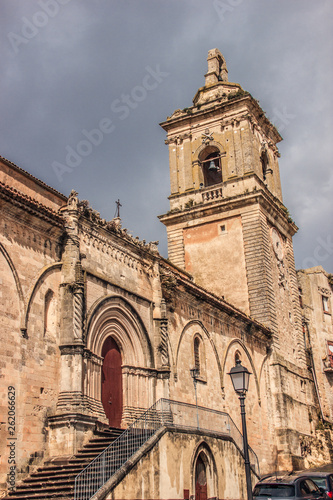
214	253
169	468
314	287
29	357
223	337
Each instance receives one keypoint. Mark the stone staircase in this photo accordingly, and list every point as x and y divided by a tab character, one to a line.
57	480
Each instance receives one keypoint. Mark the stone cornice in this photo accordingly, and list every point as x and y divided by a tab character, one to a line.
92	223
146	372
219	107
30	205
262	196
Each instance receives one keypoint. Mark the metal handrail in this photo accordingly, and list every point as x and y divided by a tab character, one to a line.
164	413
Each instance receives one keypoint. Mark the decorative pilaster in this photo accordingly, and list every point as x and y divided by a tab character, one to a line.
71	313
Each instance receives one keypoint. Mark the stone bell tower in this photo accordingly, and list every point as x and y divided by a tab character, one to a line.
228	227
227	224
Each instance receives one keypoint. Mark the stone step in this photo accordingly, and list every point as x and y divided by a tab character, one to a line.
65	483
54	469
47	477
57	481
47	492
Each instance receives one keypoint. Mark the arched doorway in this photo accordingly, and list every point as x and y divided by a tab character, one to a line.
112	387
200	479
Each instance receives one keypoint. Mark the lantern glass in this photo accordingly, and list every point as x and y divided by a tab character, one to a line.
240	377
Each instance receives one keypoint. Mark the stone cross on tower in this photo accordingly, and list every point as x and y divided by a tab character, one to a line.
217	68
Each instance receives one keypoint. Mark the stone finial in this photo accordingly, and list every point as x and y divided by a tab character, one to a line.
73	200
217	68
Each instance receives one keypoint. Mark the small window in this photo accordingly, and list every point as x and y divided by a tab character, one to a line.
325	303
300	297
49	312
238	356
197	354
223	229
264	164
305	336
330	352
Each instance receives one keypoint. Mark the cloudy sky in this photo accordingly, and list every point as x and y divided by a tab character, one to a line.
85	83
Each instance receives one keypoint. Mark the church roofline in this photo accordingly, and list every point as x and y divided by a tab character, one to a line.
30	204
33	178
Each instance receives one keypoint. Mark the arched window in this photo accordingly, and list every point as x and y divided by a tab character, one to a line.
197	354
210	159
238	356
49	312
264	164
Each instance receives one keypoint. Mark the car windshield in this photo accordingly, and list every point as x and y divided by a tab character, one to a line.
320	481
274	490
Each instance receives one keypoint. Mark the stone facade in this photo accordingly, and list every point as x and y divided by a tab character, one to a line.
315	289
72	282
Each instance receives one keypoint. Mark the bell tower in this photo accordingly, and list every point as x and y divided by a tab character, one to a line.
227	224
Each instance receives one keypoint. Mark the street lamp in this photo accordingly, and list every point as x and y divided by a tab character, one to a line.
240	377
195	374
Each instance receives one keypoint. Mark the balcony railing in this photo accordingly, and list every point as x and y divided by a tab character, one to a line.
211	194
164	413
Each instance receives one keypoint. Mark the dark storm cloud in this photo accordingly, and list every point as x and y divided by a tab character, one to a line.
60	80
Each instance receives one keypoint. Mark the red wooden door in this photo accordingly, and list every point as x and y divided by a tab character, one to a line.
112	390
200	480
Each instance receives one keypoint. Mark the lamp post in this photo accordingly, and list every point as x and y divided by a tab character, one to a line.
240	377
194	374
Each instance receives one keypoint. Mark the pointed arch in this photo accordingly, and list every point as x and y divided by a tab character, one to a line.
254	371
114	316
17	283
204	333
204	453
46	270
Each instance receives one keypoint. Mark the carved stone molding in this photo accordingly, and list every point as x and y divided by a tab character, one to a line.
178	139
72	349
207	137
163	346
87	354
324	291
119	253
136	370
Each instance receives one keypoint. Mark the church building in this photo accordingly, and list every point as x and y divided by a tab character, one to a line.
115	362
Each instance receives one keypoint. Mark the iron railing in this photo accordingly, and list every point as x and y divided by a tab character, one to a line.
164	413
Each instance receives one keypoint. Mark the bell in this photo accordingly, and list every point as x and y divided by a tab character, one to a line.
212	167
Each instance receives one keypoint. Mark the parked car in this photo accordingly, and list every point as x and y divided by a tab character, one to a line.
322	479
292	487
